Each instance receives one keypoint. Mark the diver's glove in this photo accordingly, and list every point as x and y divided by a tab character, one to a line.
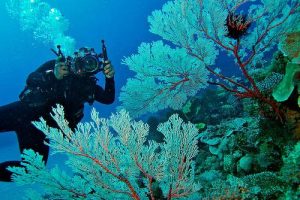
109	71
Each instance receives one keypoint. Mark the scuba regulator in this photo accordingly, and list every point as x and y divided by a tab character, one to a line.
85	61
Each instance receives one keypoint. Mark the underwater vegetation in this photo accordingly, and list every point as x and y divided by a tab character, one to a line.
239	141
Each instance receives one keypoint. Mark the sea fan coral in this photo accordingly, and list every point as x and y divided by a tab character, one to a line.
110	156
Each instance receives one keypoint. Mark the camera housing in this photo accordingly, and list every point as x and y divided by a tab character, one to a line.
86	62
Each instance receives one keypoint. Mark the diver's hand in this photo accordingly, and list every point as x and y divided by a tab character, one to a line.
109	71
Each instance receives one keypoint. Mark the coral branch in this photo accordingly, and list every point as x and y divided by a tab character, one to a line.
133	193
148	176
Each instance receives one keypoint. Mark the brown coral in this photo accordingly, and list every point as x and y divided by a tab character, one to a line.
291	44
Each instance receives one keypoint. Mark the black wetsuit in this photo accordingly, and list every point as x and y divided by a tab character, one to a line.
41	93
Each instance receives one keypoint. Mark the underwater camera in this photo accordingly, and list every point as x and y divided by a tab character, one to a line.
85	61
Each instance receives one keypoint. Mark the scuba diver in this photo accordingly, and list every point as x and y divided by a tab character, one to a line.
70	82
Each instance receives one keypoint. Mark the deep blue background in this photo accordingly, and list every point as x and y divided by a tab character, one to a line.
123	25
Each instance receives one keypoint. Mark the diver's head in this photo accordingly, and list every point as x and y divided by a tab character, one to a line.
86	62
61	69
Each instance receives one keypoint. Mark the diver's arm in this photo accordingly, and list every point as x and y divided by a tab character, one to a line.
38	78
107	95
49	65
38	91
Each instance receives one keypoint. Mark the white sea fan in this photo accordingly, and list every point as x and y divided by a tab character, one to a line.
110	156
165	78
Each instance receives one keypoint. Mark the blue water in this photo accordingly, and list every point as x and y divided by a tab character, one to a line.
123	25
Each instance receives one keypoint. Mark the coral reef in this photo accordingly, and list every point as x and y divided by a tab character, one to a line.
243	157
203	29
